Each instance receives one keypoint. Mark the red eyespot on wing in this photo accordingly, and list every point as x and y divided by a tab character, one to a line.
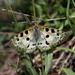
47	43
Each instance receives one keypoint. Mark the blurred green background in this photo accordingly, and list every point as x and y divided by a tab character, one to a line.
45	9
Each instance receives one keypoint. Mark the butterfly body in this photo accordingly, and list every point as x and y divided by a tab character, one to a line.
44	38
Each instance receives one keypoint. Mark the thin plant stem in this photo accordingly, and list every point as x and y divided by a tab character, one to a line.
26	18
34	12
73	2
42	62
67	14
12	12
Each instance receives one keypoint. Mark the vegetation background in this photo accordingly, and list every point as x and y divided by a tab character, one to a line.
45	9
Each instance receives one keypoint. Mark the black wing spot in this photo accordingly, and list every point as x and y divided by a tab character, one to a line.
52	30
47	43
39	43
57	34
26	32
47	36
27	39
28	46
33	44
21	34
47	29
17	39
58	31
16	35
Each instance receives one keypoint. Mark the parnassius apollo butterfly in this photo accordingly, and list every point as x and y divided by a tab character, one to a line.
42	37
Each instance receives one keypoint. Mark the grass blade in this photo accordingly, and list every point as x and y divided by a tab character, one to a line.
12	11
68	72
67	15
48	61
65	49
30	67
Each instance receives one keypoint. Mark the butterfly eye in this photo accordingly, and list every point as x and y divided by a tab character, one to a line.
26	32
27	39
47	36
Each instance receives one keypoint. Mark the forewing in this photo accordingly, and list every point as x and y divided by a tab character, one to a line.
52	36
24	41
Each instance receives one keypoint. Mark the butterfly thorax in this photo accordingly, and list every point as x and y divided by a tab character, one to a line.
36	33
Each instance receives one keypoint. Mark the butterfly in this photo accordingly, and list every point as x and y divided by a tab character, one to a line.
41	37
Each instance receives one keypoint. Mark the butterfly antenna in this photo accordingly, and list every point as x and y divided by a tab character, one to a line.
34	12
40	19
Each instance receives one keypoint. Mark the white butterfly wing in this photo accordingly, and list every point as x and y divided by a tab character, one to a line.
32	45
43	37
24	41
41	43
55	37
51	37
